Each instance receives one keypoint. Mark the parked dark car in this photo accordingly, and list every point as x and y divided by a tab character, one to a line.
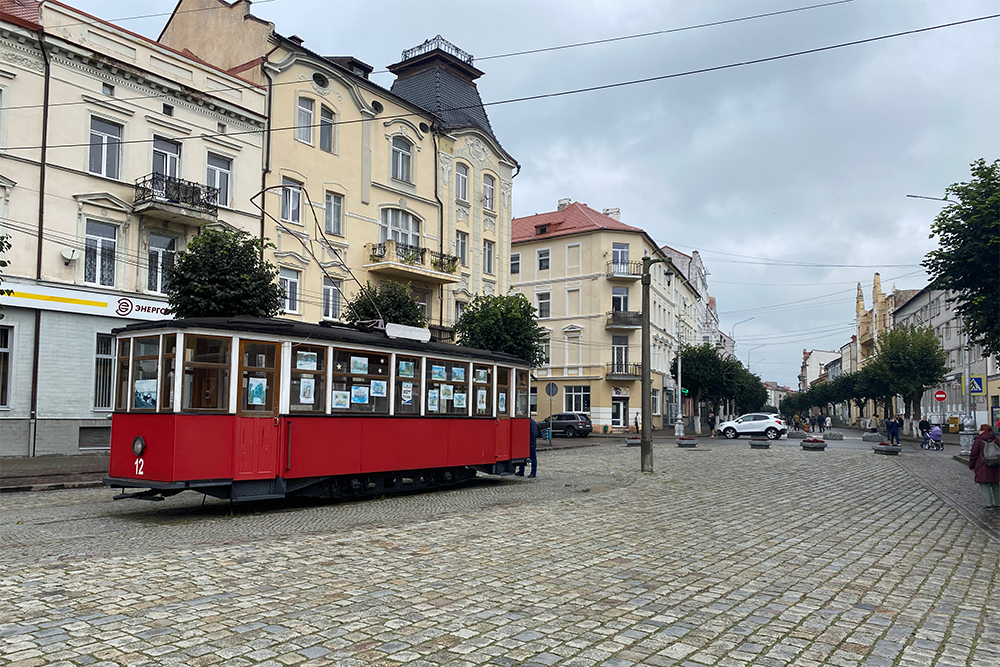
570	424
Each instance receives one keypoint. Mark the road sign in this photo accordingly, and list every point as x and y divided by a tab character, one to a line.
551	389
940	395
976	384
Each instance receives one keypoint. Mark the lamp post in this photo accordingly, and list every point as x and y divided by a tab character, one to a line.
751	350
645	438
732	330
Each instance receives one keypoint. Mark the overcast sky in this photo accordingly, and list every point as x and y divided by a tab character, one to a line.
805	160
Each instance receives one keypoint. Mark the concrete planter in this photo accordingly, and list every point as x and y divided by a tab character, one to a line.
834	436
760	443
687	442
633	441
887	449
871	437
814	444
796	435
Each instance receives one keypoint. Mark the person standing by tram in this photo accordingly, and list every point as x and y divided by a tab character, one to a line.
532	441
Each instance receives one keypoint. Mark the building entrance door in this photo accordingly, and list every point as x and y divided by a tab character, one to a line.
619	412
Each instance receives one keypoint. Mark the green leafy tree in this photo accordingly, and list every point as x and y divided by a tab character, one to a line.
4	247
913	361
967	259
222	274
389	301
749	393
701	370
502	324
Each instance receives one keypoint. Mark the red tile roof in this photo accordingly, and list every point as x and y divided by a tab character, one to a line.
576	218
22	9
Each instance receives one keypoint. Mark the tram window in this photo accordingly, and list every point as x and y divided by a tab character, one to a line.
360	382
503	392
144	363
447	387
482	390
124	348
308	376
521	402
206	373
408	374
258	372
169	369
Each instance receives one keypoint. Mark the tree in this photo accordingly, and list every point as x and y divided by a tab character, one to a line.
389	301
222	274
701	369
502	324
913	361
4	247
967	259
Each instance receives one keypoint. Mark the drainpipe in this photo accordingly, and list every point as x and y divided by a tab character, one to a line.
33	420
437	196
267	138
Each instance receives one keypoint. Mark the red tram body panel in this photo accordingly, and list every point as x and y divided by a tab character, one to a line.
349	441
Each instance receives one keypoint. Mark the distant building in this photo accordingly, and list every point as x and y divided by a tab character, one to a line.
812	368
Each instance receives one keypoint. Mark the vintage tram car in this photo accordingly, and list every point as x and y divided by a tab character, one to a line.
251	409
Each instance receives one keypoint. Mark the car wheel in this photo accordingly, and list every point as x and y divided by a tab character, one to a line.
772	434
570	432
730	433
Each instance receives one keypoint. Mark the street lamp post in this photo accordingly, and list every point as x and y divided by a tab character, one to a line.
645	438
751	350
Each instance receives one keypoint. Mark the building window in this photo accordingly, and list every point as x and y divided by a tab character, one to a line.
161	259
166	161
304	121
459	309
619	354
543	260
461	182
619	257
104	371
219	176
401	227
544	300
291	201
423	299
326	129
288	281
334	214
547	351
108	89
619	299
401	153
488	189
6	342
462	247
533	400
515	263
331	299
105	148
577	398
168	110
99	254
488	247
656	401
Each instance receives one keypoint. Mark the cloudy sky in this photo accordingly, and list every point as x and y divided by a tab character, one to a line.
789	177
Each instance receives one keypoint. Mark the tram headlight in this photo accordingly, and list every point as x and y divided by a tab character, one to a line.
138	445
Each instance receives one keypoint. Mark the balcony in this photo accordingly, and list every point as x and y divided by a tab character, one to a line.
623	371
624	270
176	200
408	262
623	319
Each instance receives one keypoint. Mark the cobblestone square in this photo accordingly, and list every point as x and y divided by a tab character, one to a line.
723	556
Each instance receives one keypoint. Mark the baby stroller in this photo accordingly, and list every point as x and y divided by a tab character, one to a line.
932	439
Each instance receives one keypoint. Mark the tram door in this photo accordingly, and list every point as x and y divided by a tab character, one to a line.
257	432
503	413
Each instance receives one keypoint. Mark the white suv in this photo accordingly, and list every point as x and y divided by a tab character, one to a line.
755	423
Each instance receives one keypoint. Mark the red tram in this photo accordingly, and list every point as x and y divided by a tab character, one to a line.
250	409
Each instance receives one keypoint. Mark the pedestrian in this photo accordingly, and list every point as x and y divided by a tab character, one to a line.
711	422
829	422
987	477
892	431
812	423
798	422
821	422
924	426
532	441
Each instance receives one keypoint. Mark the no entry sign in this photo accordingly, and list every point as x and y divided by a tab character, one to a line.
940	395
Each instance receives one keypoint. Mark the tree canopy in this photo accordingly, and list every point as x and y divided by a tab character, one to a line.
913	361
391	301
4	247
222	274
967	259
711	378
502	324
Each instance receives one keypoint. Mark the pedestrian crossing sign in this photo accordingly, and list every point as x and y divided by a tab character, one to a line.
976	384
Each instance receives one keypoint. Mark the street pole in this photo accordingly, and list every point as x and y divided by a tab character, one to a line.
967	434
645	438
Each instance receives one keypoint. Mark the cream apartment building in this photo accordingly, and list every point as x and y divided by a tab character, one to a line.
133	147
363	183
581	269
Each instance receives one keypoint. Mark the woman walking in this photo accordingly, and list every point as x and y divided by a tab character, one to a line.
987	477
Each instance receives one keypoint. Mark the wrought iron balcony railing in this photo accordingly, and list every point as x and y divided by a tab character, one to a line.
173	190
624	269
444	262
624	318
623	370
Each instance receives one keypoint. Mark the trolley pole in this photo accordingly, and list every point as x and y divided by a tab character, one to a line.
646	440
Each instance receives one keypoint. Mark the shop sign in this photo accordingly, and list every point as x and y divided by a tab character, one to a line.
68	300
619	391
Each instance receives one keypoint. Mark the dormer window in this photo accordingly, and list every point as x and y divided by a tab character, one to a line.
542	230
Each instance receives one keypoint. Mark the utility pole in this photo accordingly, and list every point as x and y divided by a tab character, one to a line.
645	439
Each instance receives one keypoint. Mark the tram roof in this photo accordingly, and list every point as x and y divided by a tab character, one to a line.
333	332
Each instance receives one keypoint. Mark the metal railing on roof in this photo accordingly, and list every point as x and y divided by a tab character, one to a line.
438	42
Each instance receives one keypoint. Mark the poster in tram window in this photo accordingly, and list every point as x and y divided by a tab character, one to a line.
459	400
458	374
359	365
306	361
145	394
482	376
502	402
447	392
405	369
307	390
406	393
378	389
438	373
256	391
341	400
359	394
481	400
432	400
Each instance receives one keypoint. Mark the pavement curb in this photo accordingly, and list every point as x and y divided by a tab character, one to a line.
52	486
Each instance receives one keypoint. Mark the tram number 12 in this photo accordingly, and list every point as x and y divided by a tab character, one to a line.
138	466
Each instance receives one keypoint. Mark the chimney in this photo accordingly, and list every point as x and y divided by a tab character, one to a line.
563	203
246	9
615	213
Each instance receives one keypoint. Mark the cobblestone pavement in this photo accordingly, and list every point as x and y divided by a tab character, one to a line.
724	556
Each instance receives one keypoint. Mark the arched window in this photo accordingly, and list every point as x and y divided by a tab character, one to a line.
489	185
461	182
402	151
326	119
401	227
